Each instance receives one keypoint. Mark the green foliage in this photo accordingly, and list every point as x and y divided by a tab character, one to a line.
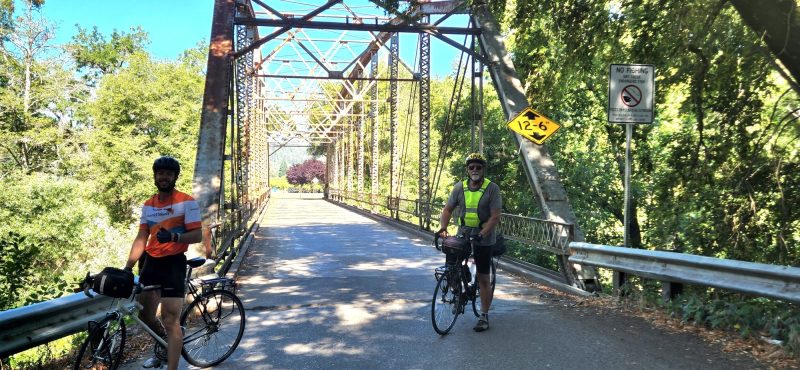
282	171
55	233
746	316
155	106
532	255
16	268
279	183
92	51
716	172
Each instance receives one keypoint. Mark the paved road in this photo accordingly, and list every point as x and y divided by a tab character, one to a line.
326	288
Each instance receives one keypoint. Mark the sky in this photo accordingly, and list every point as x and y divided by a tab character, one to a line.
173	25
176	25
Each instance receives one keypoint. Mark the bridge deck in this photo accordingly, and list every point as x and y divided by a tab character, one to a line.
327	288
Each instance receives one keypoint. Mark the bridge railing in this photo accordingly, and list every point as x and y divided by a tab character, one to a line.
546	235
780	282
29	326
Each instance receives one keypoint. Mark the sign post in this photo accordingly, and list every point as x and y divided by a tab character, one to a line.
631	99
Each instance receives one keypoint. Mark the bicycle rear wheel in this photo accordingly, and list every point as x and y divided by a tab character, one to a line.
445	304
103	348
476	302
214	324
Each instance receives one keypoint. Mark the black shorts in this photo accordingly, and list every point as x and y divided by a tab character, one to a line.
167	271
483	258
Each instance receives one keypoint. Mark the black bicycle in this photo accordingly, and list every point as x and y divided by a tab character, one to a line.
213	324
455	282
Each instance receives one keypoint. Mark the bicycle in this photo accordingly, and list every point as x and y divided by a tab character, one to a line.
455	283
213	324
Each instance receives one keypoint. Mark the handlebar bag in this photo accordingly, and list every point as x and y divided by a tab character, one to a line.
113	282
456	246
499	247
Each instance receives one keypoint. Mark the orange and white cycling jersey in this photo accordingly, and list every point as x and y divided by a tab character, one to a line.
179	213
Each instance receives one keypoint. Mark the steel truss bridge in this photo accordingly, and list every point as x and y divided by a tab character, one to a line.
276	77
281	75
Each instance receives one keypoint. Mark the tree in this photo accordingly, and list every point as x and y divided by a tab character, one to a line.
92	51
146	109
716	172
306	172
37	92
282	169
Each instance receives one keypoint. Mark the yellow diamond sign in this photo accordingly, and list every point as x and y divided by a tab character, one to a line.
533	126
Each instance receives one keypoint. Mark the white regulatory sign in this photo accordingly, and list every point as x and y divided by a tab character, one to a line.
631	93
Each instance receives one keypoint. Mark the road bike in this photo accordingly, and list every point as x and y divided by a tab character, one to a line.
213	324
455	282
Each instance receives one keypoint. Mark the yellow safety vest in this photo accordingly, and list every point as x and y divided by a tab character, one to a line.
471	199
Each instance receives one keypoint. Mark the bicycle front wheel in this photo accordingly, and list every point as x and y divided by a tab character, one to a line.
476	302
214	324
445	305
103	348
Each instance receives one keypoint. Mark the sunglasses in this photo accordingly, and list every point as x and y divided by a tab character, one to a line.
475	168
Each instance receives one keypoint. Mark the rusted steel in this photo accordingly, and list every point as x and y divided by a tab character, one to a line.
211	142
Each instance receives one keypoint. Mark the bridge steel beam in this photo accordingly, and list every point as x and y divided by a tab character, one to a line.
240	138
208	171
348	162
539	167
424	196
374	131
394	56
360	137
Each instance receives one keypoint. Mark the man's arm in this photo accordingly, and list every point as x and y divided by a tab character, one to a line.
193	236
444	220
489	225
137	248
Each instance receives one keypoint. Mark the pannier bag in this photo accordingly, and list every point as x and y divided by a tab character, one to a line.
457	247
113	282
499	247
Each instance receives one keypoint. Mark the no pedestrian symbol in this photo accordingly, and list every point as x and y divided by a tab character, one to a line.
533	126
631	89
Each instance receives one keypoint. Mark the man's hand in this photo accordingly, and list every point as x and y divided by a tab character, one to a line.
442	233
164	236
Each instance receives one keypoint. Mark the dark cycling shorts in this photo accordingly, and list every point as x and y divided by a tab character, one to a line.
483	258
167	271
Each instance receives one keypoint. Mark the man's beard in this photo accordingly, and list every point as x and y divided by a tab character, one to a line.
475	178
165	188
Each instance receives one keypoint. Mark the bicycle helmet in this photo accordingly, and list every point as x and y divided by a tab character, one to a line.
476	158
167	163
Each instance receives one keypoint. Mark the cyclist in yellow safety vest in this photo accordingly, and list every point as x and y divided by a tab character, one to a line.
480	206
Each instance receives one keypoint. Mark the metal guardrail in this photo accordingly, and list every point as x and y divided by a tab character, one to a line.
29	326
760	279
26	327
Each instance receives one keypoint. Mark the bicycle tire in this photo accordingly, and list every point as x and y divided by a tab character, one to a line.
476	300
104	346
214	324
445	305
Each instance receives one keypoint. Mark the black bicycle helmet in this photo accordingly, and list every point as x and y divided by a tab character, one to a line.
167	163
476	158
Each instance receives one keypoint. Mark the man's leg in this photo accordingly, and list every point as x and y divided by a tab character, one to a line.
486	291
170	315
149	301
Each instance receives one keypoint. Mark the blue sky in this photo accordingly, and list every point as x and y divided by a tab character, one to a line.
176	25
172	25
